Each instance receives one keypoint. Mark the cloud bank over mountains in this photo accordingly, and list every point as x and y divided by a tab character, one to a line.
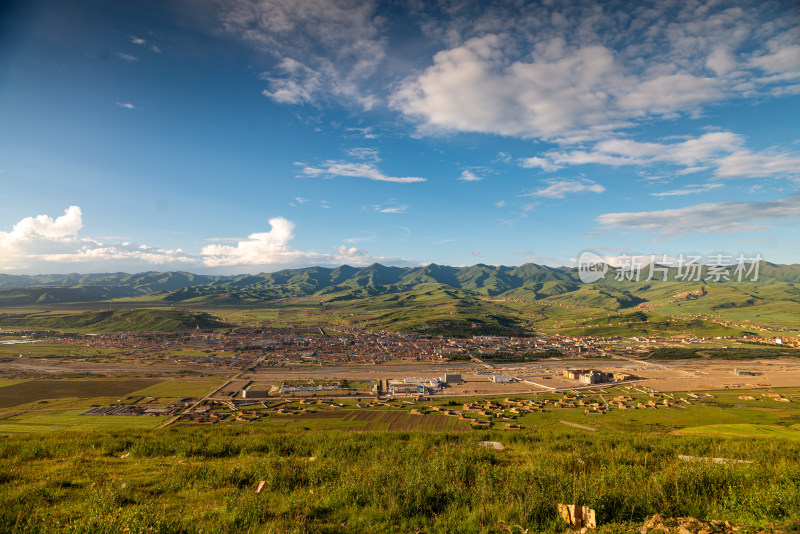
42	244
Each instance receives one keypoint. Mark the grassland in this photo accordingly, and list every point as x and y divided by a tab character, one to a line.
57	420
746	430
201	480
366	420
384	469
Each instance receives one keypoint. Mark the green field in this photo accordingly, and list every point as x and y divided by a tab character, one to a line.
73	420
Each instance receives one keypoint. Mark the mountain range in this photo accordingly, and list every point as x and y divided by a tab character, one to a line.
554	294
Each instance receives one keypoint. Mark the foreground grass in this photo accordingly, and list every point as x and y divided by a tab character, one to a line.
746	430
199	479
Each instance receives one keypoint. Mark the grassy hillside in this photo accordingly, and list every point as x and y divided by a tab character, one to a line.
200	480
444	299
114	321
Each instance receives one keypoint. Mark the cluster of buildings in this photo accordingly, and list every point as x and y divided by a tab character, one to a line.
240	347
593	376
312	345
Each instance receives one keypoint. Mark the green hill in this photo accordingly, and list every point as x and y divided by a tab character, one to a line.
115	321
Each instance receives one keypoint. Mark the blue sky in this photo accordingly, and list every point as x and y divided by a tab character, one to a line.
254	135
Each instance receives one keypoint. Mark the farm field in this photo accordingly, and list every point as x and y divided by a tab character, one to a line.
181	387
53	350
35	390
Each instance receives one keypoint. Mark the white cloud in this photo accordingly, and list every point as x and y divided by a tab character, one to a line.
573	72
688	190
746	163
126	105
469	176
563	71
783	61
258	249
143	42
356	170
47	245
670	93
128	57
723	152
271	250
363	153
42	243
561	188
689	153
349	252
366	133
390	207
718	217
326	48
44	226
300	84
561	94
540	163
499	203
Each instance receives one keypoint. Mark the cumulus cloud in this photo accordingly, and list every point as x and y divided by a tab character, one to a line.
561	188
126	105
53	245
43	227
258	249
575	71
271	250
717	217
36	242
568	71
